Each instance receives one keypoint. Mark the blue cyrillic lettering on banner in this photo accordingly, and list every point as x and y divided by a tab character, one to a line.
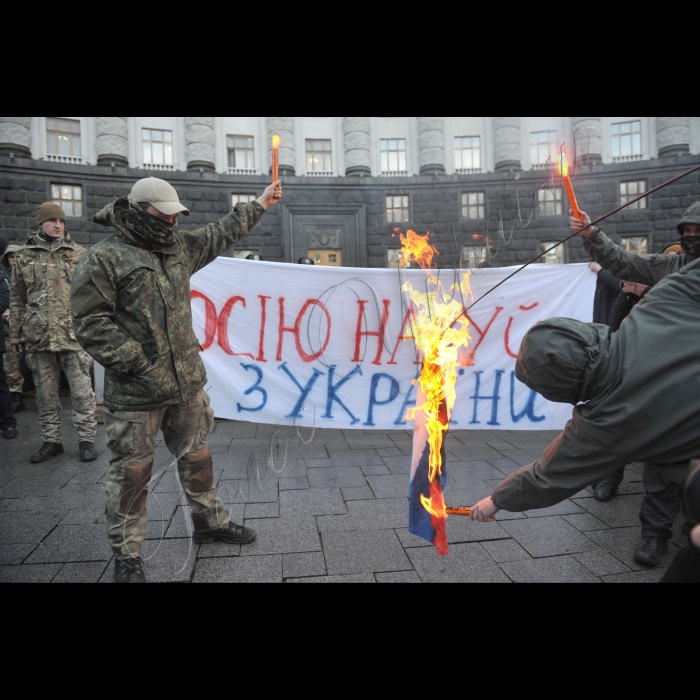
495	399
529	409
409	402
305	390
393	394
333	393
255	389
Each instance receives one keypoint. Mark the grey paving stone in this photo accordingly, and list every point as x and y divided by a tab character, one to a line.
389	452
399	577
267	569
73	543
181	526
523	440
548	537
336	579
463	530
390	486
318	463
623	511
554	570
162	506
462	453
28	527
88	516
505	464
356	458
28	574
363	493
652	576
170	561
335	523
249	491
350	553
506	551
409	541
14	554
602	563
622	543
218	550
5	503
564	508
467	563
236	429
398	465
377	470
35	486
366	442
344	477
381	514
299	484
304	565
522	457
262	510
81	573
476	470
286	535
585	522
312	502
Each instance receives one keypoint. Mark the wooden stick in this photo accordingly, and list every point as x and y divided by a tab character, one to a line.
463	512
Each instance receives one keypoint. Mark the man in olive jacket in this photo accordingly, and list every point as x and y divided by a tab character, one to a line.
42	327
8	423
13	363
641	387
132	313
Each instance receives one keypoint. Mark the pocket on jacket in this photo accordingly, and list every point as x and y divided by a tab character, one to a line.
127	432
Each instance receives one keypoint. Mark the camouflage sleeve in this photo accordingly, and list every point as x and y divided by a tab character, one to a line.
4	293
207	244
641	269
18	305
93	304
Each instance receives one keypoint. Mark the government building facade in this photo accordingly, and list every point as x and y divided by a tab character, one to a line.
485	187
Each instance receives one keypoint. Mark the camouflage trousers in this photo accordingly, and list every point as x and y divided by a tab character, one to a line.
46	368
132	438
13	366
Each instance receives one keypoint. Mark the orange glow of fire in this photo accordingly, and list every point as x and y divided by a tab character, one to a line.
276	141
444	345
563	165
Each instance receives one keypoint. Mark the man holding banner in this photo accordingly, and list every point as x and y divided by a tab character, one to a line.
131	309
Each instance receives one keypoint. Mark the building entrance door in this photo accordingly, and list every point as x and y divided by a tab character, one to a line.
327	258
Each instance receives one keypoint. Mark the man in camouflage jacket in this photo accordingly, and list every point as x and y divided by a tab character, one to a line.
8	423
132	313
13	363
41	326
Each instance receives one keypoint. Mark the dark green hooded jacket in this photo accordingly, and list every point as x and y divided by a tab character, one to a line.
641	385
131	304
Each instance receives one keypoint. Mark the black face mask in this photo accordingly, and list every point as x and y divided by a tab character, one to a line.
691	245
154	230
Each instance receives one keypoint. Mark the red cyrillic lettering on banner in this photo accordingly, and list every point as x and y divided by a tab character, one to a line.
263	305
510	326
410	316
380	334
210	328
223	328
296	331
482	334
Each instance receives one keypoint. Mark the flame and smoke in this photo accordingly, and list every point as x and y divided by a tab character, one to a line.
563	165
443	348
276	141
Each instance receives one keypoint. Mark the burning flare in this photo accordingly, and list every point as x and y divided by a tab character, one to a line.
276	141
443	348
563	165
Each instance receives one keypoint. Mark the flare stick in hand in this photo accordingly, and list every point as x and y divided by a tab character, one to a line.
275	158
563	162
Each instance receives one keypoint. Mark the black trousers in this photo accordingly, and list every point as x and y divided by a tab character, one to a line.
686	567
7	419
660	506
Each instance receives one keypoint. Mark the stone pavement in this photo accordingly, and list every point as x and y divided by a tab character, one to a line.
337	513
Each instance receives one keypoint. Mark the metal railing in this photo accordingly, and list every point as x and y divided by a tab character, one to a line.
241	171
64	159
319	173
395	173
628	159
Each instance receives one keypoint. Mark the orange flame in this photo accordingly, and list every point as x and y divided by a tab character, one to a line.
563	165
276	141
443	344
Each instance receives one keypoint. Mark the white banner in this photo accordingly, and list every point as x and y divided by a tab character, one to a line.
291	344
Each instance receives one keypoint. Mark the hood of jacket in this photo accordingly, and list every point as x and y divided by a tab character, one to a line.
692	216
560	359
135	226
11	250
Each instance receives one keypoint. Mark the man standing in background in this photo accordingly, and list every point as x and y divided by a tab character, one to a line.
13	363
8	424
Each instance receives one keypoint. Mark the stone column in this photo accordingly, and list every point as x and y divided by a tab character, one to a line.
588	137
200	139
284	128
112	141
506	143
431	145
357	146
16	136
673	135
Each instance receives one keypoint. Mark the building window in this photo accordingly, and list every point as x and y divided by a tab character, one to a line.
241	199
319	156
63	137
632	190
398	209
473	256
554	257
550	202
241	152
393	155
157	147
636	244
544	147
627	139
468	153
69	198
473	205
243	254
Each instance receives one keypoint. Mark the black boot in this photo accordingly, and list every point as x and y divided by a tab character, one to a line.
18	404
231	534
651	551
129	571
87	452
49	450
10	433
606	491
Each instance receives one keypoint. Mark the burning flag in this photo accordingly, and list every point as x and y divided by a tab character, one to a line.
443	344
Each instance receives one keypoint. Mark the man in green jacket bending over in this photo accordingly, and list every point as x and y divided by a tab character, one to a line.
131	308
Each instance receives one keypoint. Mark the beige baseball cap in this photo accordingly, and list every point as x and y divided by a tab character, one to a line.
160	194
